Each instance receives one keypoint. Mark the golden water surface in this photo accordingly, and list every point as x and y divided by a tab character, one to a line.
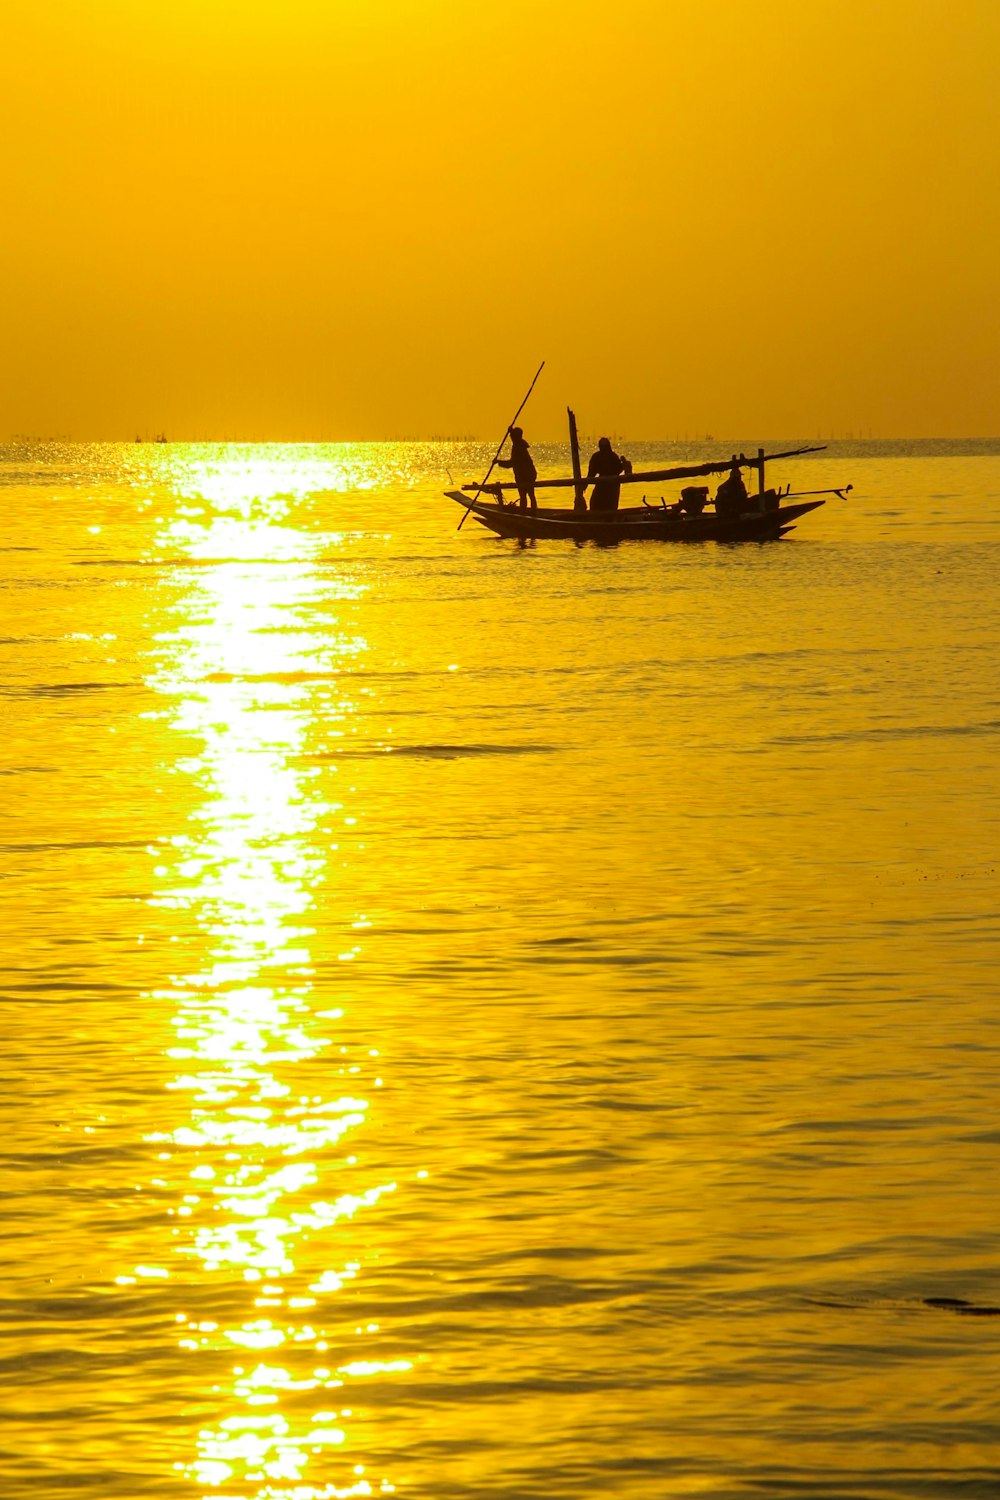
485	1020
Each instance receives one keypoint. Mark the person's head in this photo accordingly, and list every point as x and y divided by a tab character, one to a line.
516	433
604	444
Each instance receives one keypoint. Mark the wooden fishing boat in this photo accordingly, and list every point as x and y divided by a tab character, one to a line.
766	521
763	516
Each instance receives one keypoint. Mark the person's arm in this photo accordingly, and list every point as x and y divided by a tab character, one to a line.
505	463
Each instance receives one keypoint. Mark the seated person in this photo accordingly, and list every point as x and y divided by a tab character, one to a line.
731	495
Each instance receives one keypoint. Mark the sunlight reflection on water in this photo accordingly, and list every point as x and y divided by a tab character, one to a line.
495	1021
261	1155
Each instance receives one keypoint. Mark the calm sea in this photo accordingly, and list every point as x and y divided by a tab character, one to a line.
484	1021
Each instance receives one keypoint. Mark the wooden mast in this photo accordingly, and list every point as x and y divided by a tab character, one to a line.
579	503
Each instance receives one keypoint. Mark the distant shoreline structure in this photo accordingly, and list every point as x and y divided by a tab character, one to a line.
984	445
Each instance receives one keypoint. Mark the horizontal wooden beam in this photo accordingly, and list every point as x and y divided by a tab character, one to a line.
656	476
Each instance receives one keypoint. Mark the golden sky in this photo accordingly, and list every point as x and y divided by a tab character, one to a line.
373	218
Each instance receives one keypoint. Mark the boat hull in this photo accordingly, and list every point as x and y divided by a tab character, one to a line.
635	524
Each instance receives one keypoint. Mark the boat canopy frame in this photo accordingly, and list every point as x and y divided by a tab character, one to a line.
657	476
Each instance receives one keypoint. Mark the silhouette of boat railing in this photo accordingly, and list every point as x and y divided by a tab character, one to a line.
661	476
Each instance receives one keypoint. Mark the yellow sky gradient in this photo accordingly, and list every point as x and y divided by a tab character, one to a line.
372	218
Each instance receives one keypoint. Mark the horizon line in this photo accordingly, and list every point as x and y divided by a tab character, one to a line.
37	440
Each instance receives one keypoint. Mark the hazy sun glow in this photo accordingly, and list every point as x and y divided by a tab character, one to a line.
371	218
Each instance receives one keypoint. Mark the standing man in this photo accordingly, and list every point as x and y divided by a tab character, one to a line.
605	470
523	466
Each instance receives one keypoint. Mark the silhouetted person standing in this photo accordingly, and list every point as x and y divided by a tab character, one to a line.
523	466
605	470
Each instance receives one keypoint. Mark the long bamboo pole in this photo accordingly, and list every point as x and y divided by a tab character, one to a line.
497	454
